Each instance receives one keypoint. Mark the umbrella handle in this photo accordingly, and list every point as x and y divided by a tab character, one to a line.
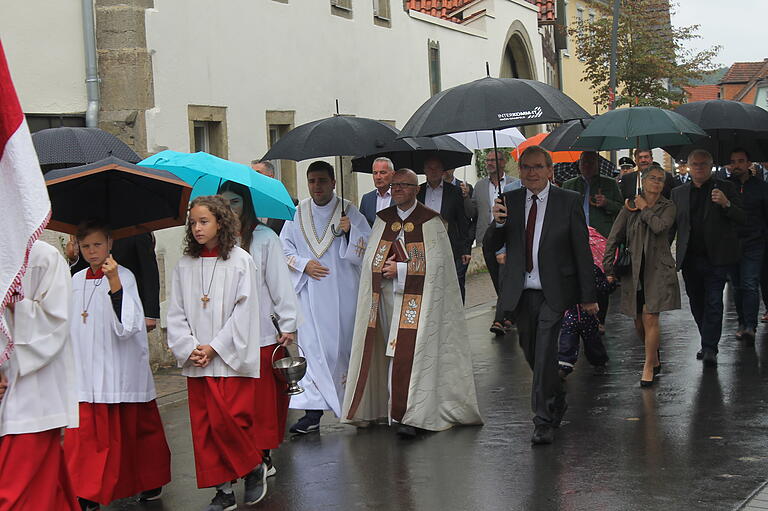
339	233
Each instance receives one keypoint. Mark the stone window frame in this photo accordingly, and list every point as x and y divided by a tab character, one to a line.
341	8
284	118
217	117
382	13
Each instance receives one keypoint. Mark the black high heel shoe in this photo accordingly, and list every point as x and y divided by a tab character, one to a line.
647	383
657	369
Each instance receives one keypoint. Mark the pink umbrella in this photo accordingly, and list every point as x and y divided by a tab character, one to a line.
597	245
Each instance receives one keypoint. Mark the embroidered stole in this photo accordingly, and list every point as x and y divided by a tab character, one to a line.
403	344
319	245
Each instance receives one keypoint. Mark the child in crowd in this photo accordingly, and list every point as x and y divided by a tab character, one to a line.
580	326
120	448
214	333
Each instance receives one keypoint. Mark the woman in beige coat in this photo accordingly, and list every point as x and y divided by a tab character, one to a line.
651	286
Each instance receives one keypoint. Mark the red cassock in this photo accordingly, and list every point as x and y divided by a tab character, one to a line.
119	450
225	427
271	403
33	474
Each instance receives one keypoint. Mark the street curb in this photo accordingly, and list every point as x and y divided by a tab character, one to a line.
751	496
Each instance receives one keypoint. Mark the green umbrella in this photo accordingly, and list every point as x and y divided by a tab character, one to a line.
643	127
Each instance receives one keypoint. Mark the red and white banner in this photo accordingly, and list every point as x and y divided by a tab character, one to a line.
26	208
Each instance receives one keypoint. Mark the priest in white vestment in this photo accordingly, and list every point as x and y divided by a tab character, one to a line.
40	398
325	269
411	359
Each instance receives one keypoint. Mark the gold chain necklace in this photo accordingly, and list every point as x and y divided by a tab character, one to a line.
205	298
96	284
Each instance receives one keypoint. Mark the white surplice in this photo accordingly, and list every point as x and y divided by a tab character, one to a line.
276	292
111	354
229	322
328	304
41	393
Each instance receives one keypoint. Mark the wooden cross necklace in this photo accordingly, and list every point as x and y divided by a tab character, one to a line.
96	284
205	292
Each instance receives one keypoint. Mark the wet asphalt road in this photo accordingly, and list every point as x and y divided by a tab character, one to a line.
697	440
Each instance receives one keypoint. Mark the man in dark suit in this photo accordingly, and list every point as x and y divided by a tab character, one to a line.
383	171
628	182
447	200
708	212
548	270
266	168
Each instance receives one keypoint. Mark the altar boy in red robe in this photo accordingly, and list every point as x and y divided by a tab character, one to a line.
119	450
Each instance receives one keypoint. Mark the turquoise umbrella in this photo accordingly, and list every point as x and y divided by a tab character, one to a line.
205	172
643	127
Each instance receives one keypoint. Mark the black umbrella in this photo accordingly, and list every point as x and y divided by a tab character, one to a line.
730	124
130	199
60	148
414	152
561	138
491	104
340	135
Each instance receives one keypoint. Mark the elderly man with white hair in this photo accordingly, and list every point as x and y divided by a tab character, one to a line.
383	171
708	211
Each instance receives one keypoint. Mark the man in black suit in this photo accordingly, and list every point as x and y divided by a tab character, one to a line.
708	212
628	182
548	270
266	168
447	200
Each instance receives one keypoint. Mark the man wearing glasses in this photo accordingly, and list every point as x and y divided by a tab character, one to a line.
548	270
410	358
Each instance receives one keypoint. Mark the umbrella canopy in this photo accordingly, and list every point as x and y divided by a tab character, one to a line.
414	152
643	127
59	148
562	137
205	172
568	170
557	156
339	135
509	137
491	104
130	199
730	125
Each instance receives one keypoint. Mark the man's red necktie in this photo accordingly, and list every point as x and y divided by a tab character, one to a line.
530	229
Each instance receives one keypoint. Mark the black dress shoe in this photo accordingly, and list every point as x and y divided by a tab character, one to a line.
543	434
699	354
647	383
748	336
497	328
405	431
709	359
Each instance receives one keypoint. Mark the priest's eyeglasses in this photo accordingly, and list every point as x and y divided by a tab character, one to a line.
400	185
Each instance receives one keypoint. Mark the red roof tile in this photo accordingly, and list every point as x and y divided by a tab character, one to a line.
702	92
742	72
439	8
546	10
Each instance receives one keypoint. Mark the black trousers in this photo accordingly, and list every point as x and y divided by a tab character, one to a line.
538	329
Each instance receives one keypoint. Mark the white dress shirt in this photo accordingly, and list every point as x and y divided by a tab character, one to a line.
493	193
382	201
532	279
433	198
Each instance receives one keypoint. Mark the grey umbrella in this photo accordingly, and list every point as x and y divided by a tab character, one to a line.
59	148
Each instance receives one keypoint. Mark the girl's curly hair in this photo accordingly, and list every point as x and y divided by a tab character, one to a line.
229	226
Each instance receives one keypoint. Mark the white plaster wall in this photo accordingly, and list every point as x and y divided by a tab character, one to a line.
43	42
257	56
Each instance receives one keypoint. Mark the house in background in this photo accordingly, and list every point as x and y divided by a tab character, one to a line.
746	82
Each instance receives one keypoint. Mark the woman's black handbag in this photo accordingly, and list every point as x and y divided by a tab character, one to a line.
623	264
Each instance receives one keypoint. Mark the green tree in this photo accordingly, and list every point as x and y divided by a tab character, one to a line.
653	61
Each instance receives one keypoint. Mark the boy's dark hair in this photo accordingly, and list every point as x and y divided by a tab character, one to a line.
248	218
229	226
321	166
90	226
741	150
